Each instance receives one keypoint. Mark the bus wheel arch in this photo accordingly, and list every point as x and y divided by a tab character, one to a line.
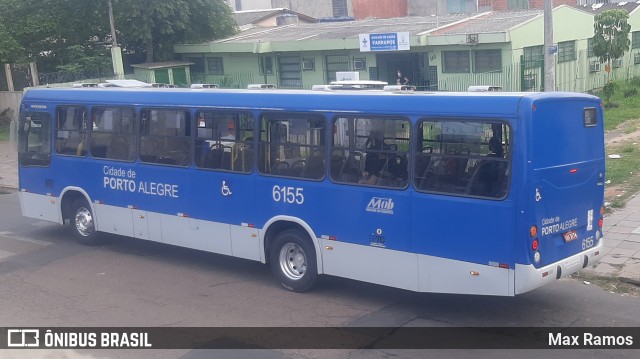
293	254
78	210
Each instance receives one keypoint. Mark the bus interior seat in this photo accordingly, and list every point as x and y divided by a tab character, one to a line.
351	170
488	179
296	168
397	166
148	149
118	148
99	144
314	167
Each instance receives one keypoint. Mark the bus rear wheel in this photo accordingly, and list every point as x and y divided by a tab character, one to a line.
82	223
293	261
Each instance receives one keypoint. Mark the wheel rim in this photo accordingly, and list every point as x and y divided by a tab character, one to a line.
293	261
84	221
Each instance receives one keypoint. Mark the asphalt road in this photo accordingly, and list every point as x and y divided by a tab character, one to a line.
47	279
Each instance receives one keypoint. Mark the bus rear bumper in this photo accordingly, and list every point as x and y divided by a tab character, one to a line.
527	277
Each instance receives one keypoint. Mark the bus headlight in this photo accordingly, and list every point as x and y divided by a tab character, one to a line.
536	257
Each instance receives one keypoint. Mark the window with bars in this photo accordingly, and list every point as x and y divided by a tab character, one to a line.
215	66
635	40
566	51
266	65
590	47
339	8
198	64
487	60
533	56
290	71
456	61
336	63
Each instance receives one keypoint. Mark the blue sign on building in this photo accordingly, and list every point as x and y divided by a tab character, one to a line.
393	41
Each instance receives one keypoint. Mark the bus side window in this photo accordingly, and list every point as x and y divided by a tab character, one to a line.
466	158
113	133
224	140
71	133
292	145
371	151
165	137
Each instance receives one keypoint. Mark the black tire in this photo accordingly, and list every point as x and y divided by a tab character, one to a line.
293	261
83	224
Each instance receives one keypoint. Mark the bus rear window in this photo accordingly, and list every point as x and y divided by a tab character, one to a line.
590	119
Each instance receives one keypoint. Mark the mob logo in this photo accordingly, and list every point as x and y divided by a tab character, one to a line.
381	205
23	338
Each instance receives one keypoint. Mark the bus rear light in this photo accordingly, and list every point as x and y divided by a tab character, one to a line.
474	273
573	170
98	202
183	215
533	231
132	206
328	238
25	190
536	257
600	222
503	265
535	244
544	274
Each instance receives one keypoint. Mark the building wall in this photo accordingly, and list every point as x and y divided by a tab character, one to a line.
363	9
533	4
316	8
451	81
249	4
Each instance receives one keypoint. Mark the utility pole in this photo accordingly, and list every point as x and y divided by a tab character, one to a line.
7	71
549	48
116	53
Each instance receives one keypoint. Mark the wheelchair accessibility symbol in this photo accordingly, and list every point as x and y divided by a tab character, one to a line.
225	190
538	195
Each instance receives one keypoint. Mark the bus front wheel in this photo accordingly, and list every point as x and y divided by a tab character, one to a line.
293	261
82	223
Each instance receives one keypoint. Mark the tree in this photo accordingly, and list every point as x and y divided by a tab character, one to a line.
10	50
155	26
74	35
611	35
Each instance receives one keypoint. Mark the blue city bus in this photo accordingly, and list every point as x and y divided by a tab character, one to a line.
474	193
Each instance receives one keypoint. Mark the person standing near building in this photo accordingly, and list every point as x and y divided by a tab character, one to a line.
402	79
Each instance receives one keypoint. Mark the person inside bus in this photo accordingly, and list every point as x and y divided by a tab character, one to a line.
495	148
490	173
228	130
373	162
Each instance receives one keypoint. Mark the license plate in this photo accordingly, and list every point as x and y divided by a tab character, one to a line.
570	236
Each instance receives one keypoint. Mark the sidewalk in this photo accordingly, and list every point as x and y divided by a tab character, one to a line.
621	232
8	166
621	228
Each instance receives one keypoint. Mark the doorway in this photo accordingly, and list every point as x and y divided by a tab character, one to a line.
413	66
